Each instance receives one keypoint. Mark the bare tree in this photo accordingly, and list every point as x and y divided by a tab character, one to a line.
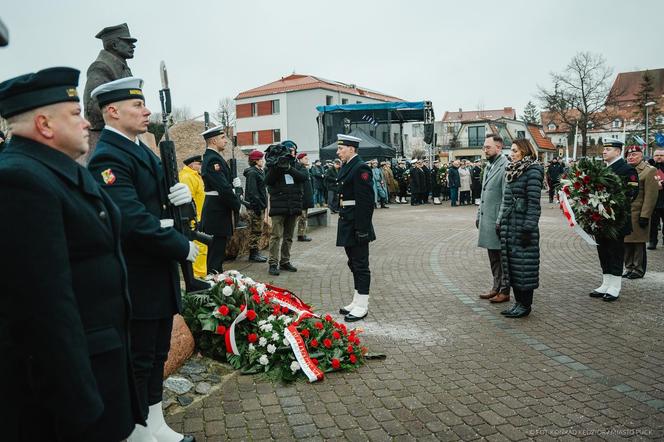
225	113
180	114
581	94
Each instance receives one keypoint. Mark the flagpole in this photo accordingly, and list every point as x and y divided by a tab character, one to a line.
576	136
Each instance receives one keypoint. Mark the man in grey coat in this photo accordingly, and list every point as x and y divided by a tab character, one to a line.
488	215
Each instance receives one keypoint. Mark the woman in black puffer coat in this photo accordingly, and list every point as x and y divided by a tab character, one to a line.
519	226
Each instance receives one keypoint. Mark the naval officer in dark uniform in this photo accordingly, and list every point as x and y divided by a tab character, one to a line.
220	198
355	230
64	302
133	176
611	251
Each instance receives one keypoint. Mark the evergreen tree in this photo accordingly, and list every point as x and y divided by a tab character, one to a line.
646	94
530	113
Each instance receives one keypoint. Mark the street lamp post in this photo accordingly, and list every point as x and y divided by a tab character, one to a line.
647	105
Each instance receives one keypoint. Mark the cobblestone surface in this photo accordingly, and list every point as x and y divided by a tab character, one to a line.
576	368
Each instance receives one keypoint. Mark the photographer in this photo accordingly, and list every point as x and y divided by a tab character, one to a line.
284	183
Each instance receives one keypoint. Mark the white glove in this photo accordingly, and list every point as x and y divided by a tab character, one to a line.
237	182
166	223
180	194
193	252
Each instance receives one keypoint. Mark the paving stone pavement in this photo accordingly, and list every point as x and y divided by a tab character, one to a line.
576	368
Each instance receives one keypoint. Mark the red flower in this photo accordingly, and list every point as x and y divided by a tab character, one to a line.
586	179
564	176
566	190
600	187
251	315
242	307
305	333
577	173
256	298
253	337
284	310
356	341
336	364
595	216
344	329
633	178
318	325
276	310
584	201
328	318
223	310
350	349
577	185
221	330
253	290
336	335
314	343
353	359
314	361
327	343
228	281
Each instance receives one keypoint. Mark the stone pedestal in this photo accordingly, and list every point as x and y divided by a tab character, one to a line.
182	346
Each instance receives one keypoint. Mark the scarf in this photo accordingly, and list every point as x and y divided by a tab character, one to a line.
515	169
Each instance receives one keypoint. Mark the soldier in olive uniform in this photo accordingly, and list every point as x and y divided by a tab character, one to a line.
611	251
355	230
256	195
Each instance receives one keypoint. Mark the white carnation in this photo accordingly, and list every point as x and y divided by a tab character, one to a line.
227	291
252	347
275	336
266	327
262	341
271	348
271	318
263	360
294	366
262	322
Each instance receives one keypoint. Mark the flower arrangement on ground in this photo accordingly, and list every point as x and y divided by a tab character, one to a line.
260	328
593	197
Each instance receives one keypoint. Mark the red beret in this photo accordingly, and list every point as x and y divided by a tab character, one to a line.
632	149
255	155
301	155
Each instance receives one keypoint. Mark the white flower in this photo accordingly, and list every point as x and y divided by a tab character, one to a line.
271	318
285	319
266	327
262	341
294	366
249	281
261	288
227	291
263	360
275	336
285	341
271	348
252	347
241	287
262	322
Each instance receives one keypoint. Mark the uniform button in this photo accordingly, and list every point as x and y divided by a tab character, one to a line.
102	215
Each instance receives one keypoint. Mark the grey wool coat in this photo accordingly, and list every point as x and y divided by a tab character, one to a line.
520	218
488	212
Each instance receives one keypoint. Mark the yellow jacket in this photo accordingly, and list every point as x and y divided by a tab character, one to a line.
194	181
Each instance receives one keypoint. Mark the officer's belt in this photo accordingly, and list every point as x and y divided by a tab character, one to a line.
347	203
212	193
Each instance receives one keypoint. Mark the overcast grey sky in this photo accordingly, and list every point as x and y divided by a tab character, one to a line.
468	54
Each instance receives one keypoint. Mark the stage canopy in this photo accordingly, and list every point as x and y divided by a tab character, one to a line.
370	148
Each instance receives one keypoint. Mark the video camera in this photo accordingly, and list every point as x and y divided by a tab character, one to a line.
279	155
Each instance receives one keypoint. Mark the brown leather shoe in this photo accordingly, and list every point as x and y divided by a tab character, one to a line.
500	297
488	295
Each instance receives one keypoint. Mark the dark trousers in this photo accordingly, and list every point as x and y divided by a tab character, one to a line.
611	255
150	342
454	195
465	197
636	258
403	190
333	200
523	297
656	221
552	191
216	254
358	263
499	283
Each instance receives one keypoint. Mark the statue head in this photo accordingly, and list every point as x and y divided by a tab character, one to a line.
118	41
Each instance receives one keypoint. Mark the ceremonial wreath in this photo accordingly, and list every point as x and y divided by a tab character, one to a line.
593	199
259	328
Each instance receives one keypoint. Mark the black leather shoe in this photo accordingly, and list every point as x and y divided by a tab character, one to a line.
509	310
273	270
288	267
188	438
303	238
595	294
343	311
609	298
353	318
634	275
520	311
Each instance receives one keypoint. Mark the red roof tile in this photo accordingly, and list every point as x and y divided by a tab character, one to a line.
476	115
538	135
298	82
627	84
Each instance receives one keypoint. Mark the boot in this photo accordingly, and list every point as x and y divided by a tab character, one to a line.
160	429
346	309
273	270
141	434
360	310
255	256
303	238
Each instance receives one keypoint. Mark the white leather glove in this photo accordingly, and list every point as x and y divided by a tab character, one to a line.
193	252
180	194
237	182
166	223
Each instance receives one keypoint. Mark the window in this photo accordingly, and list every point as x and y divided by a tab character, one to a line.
521	134
276	134
475	136
551	126
659	119
344	101
254	138
358	102
386	137
396	140
590	125
275	106
616	123
417	130
254	109
328	100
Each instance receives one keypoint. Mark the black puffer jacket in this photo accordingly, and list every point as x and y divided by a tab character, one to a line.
285	189
307	188
254	190
519	229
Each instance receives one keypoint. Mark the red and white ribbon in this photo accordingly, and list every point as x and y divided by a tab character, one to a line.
296	342
566	207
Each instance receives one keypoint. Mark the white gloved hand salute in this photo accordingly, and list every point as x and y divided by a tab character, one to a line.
193	252
237	182
180	194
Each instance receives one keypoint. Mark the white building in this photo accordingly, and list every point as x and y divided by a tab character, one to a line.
286	110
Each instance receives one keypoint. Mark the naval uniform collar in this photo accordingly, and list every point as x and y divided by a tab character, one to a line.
112	129
616	159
